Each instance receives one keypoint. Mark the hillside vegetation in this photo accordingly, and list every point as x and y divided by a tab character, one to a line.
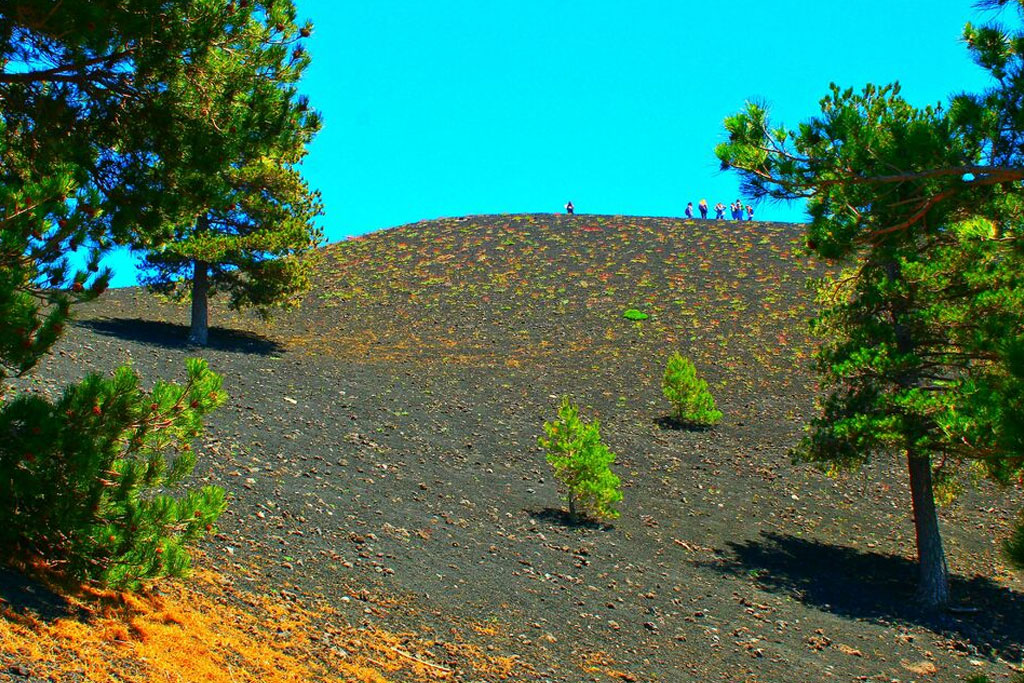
380	449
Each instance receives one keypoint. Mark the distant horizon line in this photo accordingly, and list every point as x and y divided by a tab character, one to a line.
576	214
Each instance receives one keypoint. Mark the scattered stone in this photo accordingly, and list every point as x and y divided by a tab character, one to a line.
922	668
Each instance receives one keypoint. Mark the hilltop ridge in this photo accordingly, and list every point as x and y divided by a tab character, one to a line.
566	275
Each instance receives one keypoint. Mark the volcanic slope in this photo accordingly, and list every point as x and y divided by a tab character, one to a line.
381	442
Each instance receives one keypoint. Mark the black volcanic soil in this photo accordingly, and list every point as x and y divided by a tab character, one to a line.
379	445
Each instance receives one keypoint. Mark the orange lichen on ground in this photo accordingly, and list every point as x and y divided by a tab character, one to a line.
602	662
205	630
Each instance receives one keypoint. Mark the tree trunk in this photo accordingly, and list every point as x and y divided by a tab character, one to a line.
933	584
933	579
199	330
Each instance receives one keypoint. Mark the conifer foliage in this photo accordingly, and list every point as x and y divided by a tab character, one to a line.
109	129
246	226
173	127
691	401
88	481
582	463
922	334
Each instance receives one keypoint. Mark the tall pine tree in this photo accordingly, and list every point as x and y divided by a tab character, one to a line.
118	121
248	225
101	119
75	81
922	332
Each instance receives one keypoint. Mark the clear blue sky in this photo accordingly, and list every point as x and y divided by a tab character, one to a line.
456	107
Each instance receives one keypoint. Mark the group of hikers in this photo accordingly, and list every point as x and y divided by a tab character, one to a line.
736	210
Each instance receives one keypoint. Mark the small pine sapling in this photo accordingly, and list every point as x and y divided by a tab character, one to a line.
581	463
689	395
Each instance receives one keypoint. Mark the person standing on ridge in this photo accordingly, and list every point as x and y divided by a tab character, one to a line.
702	206
689	209
750	212
719	211
569	208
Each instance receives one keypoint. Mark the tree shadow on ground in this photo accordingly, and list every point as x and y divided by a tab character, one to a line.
171	336
673	423
880	588
563	518
23	594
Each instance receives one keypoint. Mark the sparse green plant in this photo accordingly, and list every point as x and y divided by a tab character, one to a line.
634	315
581	463
691	401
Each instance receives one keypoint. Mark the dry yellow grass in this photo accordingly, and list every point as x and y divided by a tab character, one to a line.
206	630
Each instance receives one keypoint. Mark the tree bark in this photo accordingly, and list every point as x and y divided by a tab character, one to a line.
933	578
199	330
933	582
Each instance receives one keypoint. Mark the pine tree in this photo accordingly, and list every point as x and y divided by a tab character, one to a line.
582	463
104	92
922	331
101	115
87	481
167	121
108	134
688	394
247	223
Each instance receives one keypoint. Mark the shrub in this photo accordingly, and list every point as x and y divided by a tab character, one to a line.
581	463
689	395
635	315
88	481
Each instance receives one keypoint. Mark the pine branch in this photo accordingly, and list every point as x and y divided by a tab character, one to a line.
58	73
992	175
